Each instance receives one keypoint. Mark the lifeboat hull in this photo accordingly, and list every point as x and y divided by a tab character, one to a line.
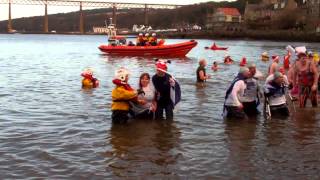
171	50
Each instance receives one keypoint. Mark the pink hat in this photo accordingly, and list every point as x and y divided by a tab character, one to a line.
87	73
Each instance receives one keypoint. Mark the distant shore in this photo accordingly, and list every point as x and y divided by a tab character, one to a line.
250	35
241	35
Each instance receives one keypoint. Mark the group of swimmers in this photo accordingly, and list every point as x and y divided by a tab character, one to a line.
155	94
150	100
243	95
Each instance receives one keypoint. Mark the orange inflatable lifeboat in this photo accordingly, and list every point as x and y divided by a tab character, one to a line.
162	50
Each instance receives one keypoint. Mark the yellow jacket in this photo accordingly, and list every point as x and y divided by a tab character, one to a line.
87	83
121	97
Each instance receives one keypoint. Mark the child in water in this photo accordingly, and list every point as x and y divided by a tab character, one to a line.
214	66
88	80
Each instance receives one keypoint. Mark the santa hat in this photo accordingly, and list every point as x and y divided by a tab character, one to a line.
275	58
161	64
302	50
87	73
121	74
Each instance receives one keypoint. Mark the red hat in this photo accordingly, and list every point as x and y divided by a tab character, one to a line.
274	58
243	61
161	65
87	73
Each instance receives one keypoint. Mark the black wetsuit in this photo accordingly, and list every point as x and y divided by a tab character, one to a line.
200	68
164	102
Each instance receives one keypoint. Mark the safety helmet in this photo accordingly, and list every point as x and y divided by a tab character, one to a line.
154	34
140	34
121	74
147	34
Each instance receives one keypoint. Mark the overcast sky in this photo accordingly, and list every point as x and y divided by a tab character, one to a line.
32	10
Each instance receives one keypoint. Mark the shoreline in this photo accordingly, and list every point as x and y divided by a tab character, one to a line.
291	36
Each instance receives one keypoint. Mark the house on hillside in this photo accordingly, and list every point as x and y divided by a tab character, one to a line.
267	9
224	18
262	15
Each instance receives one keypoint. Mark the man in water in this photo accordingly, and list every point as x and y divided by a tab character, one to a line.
163	82
232	103
275	95
201	71
250	99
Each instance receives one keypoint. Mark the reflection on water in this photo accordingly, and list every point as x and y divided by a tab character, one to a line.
160	141
50	127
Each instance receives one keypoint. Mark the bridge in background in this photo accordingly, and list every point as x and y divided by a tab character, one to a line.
97	4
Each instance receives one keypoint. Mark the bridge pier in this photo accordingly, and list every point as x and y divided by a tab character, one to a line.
81	23
9	19
46	21
146	15
114	15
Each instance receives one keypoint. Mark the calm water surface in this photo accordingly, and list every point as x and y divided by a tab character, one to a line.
50	127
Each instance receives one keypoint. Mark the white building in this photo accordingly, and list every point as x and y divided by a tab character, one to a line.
100	30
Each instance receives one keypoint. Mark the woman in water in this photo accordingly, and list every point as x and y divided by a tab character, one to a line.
147	104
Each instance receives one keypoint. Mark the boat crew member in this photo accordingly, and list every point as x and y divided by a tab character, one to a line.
146	39
153	40
88	80
140	40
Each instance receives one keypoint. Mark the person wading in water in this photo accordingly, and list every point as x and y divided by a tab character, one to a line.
201	72
232	103
308	75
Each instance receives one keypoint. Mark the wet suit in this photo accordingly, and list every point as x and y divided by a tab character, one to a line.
164	102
